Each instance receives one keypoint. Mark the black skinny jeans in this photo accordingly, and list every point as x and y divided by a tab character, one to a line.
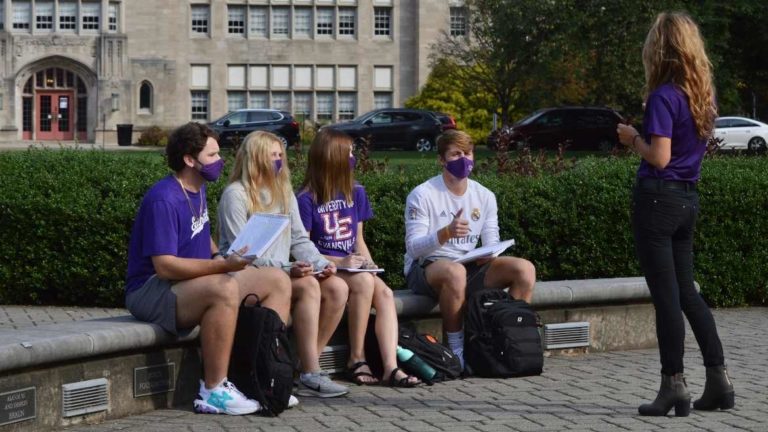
663	222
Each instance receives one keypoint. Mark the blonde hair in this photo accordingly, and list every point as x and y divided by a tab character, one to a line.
461	139
674	53
328	172
254	169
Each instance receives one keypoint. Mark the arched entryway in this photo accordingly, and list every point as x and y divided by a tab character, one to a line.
55	100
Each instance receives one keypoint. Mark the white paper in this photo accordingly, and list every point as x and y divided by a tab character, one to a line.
493	250
259	233
361	270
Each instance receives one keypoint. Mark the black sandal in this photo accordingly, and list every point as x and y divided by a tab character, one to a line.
354	376
405	382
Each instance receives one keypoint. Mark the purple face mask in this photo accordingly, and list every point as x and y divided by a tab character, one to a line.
352	163
212	171
278	164
461	167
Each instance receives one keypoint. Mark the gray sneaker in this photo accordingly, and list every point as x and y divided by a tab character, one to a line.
318	384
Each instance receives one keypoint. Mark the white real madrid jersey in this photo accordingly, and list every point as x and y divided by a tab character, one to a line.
431	206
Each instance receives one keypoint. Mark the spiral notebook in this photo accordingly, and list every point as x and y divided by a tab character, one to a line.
261	230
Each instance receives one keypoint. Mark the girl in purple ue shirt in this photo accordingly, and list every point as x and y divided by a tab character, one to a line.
333	208
679	116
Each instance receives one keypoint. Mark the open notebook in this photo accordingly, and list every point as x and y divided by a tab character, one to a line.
259	233
493	250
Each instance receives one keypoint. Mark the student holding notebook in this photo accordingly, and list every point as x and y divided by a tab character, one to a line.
333	208
445	217
260	183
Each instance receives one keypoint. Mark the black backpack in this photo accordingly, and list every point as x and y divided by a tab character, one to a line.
261	365
501	336
437	355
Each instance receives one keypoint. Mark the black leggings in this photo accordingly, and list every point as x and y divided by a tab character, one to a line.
663	222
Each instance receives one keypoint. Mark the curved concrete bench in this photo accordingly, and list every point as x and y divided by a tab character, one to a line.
53	343
547	295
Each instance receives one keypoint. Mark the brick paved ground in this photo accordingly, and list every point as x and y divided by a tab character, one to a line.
595	392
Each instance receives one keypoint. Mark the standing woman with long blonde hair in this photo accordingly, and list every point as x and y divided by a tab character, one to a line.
679	115
333	208
261	183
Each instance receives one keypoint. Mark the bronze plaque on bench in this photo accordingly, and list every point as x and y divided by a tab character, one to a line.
17	405
155	379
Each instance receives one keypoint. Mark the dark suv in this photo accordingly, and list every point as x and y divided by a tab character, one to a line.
579	128
235	125
394	128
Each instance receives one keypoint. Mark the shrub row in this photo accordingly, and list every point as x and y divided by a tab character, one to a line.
65	219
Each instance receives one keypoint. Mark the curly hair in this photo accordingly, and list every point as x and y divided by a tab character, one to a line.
188	139
674	53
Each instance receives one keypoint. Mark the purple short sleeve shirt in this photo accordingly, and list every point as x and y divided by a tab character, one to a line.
332	226
668	114
166	225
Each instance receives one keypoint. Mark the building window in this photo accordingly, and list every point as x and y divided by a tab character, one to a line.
347	77
325	21
236	77
44	16
324	76
258	100
382	21
2	15
347	103
91	15
302	106
200	14
21	12
302	77
68	16
324	107
200	105
281	101
199	77
145	97
281	77
258	22
346	22
236	20
281	22
26	114
302	22
382	77
235	100
382	100
113	11
458	21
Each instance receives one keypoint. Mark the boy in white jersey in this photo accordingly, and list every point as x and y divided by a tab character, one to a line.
444	219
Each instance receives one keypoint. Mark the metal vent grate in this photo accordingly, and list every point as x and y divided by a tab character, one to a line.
334	358
566	335
85	397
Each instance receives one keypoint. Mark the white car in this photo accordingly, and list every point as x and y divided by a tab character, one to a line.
741	133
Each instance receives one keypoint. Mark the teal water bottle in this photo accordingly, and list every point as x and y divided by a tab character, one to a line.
414	364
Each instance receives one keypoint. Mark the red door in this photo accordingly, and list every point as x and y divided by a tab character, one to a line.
55	116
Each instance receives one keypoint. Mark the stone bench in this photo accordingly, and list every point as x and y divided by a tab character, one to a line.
145	368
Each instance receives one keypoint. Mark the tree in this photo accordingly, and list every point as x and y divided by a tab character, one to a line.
508	42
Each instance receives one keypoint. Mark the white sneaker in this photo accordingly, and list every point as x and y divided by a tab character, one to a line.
224	399
293	401
318	384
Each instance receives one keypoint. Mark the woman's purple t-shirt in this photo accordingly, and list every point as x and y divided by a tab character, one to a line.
332	226
668	114
166	225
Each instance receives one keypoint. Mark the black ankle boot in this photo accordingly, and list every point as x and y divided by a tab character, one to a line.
673	393
718	391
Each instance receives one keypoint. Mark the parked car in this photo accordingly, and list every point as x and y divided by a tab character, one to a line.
394	128
446	120
741	133
235	125
580	128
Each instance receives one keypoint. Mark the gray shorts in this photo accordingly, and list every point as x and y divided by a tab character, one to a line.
416	280
154	302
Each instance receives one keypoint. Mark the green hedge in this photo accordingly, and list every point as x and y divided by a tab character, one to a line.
65	218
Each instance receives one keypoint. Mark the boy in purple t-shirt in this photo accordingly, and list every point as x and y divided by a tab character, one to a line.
176	276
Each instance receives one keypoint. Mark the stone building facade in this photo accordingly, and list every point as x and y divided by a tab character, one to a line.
75	69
